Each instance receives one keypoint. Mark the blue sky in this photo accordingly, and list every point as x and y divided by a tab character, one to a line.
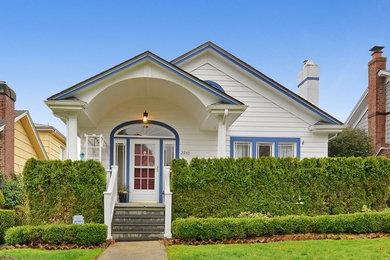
47	46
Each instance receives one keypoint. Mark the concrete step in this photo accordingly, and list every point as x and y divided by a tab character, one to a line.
137	236
154	212
139	205
138	220
146	228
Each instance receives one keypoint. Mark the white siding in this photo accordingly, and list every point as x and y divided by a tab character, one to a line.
193	142
264	118
363	122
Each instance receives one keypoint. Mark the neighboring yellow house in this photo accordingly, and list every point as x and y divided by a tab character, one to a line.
35	141
53	141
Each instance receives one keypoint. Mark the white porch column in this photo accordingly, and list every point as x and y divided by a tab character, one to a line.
221	151
71	136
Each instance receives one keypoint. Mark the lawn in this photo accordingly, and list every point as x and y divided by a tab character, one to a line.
42	254
309	249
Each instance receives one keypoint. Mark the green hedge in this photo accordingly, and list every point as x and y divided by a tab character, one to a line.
86	234
226	228
7	220
58	190
279	186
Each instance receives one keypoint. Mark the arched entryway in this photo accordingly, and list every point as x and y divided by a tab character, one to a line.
141	151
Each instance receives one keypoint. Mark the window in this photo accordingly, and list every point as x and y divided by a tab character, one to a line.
256	147
264	150
140	130
169	152
242	149
286	150
120	161
62	153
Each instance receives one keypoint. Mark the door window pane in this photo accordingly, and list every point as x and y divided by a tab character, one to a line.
169	153
120	161
264	149
286	150
144	166
242	149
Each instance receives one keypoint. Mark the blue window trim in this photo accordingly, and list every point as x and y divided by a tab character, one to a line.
127	168
215	84
151	122
275	140
257	75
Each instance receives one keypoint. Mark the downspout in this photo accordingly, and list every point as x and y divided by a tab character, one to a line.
381	149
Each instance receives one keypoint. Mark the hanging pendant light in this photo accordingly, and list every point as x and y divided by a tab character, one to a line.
145	117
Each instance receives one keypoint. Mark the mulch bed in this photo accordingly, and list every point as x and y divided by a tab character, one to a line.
277	238
58	247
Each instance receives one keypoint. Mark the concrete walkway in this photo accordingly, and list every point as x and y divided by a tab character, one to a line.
145	250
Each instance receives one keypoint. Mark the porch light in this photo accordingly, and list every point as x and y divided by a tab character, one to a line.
145	117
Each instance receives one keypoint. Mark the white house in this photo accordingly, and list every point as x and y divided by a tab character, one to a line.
205	103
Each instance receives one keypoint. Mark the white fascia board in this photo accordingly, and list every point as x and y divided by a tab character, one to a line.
64	106
384	73
220	108
359	109
2	128
331	129
20	116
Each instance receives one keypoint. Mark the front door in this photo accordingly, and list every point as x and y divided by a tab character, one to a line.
144	170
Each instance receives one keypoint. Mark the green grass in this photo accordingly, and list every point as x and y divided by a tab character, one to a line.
310	249
42	254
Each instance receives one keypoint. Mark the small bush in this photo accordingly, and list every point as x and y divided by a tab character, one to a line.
13	193
226	228
350	142
86	234
7	220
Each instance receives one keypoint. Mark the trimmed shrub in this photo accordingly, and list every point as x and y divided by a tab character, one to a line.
13	193
58	190
7	220
86	234
226	228
279	186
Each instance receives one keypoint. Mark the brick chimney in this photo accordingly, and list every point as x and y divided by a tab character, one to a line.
377	102
7	117
308	82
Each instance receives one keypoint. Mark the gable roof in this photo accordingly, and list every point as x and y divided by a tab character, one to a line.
246	67
358	111
67	93
31	131
42	127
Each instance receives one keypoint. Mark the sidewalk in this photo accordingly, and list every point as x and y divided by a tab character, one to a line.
145	250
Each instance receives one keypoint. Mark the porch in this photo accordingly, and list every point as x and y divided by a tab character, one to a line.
137	117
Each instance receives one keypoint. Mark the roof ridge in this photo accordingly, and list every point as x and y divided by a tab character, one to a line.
258	74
